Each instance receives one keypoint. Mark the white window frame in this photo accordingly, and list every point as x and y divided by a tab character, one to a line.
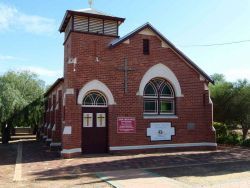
158	97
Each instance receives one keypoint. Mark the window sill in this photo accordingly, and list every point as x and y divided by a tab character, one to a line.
152	116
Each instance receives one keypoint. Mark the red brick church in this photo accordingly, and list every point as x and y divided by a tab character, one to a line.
134	93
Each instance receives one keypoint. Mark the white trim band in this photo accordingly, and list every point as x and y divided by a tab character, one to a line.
55	144
145	116
69	91
68	151
48	140
67	130
118	148
54	127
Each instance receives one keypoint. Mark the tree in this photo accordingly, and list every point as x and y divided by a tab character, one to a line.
218	78
17	91
240	106
222	93
231	102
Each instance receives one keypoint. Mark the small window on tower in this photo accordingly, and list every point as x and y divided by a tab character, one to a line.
145	46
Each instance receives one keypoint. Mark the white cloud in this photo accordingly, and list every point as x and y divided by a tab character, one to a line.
236	74
4	58
13	19
7	16
43	71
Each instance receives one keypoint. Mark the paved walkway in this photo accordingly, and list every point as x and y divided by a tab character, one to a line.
138	178
18	167
43	165
41	168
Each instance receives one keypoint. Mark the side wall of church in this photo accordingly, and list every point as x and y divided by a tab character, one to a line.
53	118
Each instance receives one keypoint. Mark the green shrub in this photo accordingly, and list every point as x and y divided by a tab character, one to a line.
221	130
246	143
221	139
224	136
233	139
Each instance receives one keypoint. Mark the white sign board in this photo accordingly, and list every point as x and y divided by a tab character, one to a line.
160	131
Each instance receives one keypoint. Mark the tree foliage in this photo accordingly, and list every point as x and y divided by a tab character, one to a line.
20	99
231	102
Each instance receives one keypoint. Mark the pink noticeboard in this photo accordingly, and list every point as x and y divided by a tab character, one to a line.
126	125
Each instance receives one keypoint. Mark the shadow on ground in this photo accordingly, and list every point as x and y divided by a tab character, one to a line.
31	148
227	161
36	156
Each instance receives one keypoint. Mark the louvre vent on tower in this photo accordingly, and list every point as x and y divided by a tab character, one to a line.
90	21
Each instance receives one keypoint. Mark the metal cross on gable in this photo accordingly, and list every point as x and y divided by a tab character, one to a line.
126	70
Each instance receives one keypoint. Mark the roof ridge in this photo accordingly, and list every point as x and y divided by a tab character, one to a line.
93	11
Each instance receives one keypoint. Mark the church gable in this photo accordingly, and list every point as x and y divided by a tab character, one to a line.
148	31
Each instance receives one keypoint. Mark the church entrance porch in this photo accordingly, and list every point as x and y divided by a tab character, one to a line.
94	124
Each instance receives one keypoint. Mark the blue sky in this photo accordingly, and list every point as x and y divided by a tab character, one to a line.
29	37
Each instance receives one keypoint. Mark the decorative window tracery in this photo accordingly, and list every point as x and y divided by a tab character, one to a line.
159	97
94	99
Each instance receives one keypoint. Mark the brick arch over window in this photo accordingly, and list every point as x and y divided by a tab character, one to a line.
162	71
97	86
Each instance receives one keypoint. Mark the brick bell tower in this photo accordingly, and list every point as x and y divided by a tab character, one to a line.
87	34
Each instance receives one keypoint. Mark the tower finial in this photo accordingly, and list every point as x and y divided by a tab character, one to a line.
90	3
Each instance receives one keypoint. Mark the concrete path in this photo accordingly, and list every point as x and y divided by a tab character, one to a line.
18	167
138	178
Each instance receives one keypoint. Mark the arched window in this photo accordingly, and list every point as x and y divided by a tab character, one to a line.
94	99
159	97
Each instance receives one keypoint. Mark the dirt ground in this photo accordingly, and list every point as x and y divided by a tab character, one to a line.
7	162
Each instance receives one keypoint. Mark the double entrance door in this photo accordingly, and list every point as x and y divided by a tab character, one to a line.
94	130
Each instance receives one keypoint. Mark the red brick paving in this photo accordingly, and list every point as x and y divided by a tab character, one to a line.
40	163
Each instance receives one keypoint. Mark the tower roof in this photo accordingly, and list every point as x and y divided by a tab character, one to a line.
93	11
89	12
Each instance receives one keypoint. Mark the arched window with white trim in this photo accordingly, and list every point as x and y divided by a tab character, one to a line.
93	99
159	97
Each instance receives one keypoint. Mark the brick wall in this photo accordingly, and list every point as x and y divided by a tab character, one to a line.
194	107
57	132
53	114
